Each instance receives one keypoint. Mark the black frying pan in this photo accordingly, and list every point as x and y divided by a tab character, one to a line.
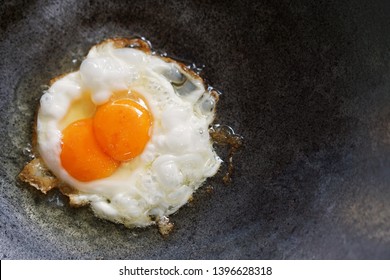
306	83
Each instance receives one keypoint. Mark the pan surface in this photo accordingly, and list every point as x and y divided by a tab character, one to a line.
306	83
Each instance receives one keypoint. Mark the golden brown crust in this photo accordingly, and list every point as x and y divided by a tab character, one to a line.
55	79
135	43
215	95
224	135
183	67
165	227
38	175
34	142
74	200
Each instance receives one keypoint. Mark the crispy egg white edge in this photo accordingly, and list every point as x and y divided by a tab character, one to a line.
176	161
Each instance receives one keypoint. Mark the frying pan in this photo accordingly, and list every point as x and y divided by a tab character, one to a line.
307	85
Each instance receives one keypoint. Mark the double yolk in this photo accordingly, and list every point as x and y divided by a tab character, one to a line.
93	148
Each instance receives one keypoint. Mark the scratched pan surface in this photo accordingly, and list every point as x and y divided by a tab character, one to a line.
306	84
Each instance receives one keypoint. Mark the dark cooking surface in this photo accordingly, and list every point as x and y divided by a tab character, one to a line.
307	85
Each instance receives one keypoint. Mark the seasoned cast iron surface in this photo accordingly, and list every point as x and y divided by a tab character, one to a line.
306	83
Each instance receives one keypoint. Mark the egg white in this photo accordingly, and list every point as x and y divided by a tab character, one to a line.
175	162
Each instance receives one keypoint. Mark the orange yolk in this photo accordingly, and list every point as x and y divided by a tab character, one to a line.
122	128
93	148
81	155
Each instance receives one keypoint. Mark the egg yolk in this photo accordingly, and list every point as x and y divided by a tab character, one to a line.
81	155
122	128
93	148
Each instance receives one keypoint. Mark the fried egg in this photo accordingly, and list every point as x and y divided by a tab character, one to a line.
128	132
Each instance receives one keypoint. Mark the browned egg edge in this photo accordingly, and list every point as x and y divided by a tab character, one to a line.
38	175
